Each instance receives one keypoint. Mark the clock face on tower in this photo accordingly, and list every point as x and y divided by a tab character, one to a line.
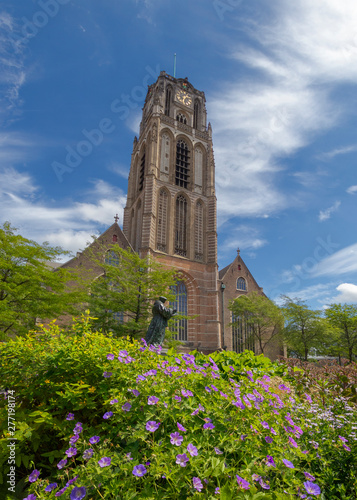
183	97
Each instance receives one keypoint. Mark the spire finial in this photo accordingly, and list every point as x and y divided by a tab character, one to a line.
175	65
116	218
238	251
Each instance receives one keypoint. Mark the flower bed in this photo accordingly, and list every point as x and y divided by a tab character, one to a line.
126	422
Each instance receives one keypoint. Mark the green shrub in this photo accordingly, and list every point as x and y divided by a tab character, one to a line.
232	426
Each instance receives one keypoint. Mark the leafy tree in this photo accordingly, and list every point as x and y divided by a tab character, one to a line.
30	289
344	319
121	299
262	317
304	328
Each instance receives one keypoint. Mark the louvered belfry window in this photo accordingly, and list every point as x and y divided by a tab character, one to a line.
199	231
142	172
182	164
181	226
162	221
168	101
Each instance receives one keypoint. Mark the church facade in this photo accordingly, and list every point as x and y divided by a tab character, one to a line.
171	214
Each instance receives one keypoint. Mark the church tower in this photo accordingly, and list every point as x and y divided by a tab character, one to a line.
171	204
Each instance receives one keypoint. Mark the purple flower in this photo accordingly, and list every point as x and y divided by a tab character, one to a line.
273	431
34	476
217	490
94	439
176	438
87	454
343	439
71	481
186	393
293	442
182	460
287	463
264	485
268	439
107	374
126	406
178	398
192	450
113	401
208	389
197	484
312	488
152	426
218	451
78	428
139	470
265	425
309	476
31	496
104	462
123	353
152	400
135	392
181	427
242	483
256	477
62	463
71	452
110	357
270	461
208	426
78	493
74	439
140	378
51	487
346	447
107	415
70	416
60	492
214	387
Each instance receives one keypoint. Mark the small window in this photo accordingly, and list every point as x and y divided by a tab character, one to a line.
181	118
115	238
241	284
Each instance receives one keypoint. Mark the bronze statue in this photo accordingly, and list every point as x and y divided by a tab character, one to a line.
161	314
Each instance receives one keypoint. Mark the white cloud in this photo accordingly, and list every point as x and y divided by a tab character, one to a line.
326	214
319	291
352	190
347	294
337	152
70	225
342	262
12	71
283	107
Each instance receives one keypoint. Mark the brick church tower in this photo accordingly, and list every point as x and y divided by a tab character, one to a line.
171	204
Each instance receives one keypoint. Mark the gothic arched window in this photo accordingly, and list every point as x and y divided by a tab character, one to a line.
168	97
199	231
112	258
181	118
196	114
242	334
181	226
241	284
180	303
162	221
138	226
182	164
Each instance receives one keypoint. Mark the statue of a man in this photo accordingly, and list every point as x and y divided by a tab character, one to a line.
161	314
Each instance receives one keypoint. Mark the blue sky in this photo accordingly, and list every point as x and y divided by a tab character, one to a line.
280	83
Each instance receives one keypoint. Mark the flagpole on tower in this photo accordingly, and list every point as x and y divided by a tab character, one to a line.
175	65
